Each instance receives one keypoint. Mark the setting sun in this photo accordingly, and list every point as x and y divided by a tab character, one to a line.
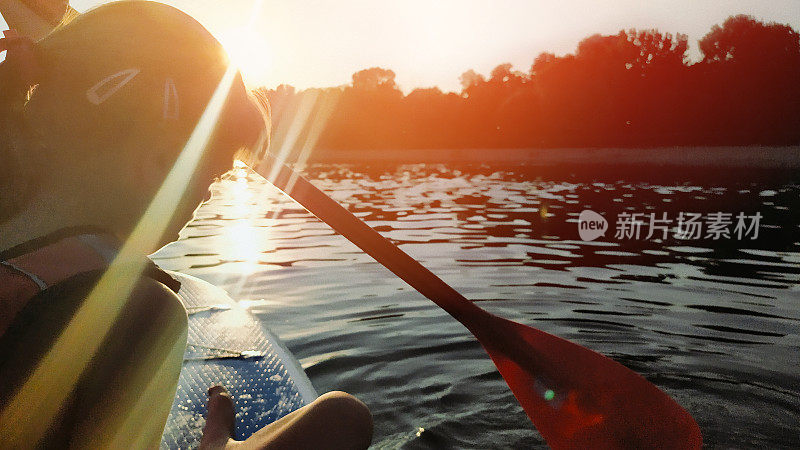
248	50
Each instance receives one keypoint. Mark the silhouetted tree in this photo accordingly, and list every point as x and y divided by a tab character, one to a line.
632	88
470	78
373	79
745	40
749	79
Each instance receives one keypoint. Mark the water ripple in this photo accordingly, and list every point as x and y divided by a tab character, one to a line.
713	322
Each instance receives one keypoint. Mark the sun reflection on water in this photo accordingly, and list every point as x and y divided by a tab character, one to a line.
242	242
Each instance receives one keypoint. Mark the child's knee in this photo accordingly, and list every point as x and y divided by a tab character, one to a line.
352	413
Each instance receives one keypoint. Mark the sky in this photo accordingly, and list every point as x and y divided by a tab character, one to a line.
315	43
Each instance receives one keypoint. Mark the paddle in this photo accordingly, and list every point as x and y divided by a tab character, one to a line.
577	398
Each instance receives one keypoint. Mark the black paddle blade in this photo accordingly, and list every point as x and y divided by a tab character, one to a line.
578	398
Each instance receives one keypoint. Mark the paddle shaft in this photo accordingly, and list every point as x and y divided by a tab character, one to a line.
370	241
612	407
490	330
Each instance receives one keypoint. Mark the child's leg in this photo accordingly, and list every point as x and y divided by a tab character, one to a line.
335	420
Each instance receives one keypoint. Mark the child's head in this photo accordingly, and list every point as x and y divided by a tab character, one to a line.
118	92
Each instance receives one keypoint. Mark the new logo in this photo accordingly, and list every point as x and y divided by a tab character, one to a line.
591	225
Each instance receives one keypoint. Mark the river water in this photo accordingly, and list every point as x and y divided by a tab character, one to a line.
713	322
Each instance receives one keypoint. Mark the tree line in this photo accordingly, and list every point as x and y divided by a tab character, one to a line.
635	88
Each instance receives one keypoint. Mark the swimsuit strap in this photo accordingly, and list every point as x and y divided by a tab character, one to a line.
57	261
59	256
32	276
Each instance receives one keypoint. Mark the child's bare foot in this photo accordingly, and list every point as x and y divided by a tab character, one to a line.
219	430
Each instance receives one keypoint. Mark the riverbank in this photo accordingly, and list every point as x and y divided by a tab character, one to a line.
750	157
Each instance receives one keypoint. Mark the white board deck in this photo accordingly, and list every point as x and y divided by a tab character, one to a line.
228	346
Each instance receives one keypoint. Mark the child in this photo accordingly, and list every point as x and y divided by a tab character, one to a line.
117	92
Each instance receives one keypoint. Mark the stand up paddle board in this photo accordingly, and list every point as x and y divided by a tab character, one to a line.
229	347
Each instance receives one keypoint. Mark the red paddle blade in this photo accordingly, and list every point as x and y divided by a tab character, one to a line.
577	398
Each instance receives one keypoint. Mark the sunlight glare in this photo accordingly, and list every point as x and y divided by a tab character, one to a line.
248	51
57	373
241	235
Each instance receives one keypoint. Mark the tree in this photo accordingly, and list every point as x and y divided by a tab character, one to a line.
503	74
541	62
374	78
469	80
750	74
657	49
632	88
745	40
